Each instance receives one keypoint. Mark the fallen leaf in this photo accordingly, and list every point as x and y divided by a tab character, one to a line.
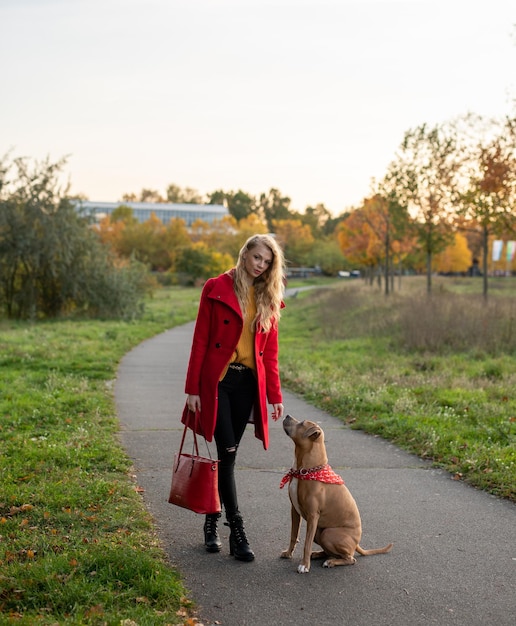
98	609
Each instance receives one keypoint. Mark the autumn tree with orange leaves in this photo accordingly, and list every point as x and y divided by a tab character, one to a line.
377	234
489	195
358	241
151	242
295	238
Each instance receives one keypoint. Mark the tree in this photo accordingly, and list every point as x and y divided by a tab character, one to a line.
423	177
129	197
251	225
123	213
296	240
489	172
198	262
111	231
186	195
316	217
274	206
455	258
51	261
151	195
358	242
175	239
327	255
388	220
145	241
240	204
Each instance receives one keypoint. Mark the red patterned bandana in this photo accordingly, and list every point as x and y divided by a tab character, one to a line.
322	473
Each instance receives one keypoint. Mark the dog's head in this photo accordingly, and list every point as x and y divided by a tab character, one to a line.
304	433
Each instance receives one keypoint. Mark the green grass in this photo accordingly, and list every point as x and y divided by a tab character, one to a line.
76	543
348	351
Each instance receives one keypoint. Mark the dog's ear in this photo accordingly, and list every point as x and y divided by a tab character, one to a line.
314	432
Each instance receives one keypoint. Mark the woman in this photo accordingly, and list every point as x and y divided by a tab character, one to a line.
233	369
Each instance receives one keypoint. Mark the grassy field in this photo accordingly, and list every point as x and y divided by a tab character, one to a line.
435	375
76	544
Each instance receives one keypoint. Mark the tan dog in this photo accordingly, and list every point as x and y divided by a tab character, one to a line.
331	513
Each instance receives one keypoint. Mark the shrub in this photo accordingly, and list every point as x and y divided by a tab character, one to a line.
51	262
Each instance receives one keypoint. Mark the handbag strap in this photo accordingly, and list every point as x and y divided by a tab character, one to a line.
183	441
194	429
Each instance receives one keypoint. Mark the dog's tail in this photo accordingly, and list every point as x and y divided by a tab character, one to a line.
383	550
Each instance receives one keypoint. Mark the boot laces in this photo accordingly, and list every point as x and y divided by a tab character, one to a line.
211	524
237	530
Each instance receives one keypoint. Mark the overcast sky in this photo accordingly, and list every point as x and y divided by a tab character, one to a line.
310	97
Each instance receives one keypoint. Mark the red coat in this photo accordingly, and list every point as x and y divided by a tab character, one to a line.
217	331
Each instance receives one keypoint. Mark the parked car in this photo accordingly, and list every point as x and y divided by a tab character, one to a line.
351	274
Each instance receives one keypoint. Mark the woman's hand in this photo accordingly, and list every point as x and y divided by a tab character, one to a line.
193	403
277	412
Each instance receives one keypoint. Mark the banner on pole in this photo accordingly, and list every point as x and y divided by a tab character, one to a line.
511	249
497	249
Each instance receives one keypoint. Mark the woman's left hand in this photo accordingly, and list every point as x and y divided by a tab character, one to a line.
277	412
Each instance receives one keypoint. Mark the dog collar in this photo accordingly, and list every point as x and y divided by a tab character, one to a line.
322	473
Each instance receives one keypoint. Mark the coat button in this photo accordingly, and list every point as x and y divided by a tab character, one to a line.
226	321
261	353
217	345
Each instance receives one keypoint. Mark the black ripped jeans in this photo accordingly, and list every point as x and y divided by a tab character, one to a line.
237	395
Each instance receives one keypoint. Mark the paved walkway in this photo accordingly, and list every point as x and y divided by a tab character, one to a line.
454	558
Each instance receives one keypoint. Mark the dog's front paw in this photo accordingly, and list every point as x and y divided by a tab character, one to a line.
303	569
286	554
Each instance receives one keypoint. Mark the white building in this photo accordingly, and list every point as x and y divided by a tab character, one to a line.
162	210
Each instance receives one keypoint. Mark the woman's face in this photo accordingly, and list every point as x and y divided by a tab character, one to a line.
257	261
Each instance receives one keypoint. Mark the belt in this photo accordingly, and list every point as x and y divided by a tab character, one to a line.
238	367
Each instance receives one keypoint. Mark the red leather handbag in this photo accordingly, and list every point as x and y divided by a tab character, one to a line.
195	480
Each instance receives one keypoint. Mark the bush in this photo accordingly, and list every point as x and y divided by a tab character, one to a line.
51	262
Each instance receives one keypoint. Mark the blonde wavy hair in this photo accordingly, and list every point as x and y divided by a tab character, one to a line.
268	288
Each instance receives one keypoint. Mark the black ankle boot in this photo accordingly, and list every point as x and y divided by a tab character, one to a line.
211	536
238	545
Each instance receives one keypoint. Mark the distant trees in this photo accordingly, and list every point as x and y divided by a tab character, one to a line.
174	193
273	206
296	239
488	197
448	192
51	262
424	178
240	205
376	235
185	195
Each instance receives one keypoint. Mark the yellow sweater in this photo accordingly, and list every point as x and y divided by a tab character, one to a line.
244	352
